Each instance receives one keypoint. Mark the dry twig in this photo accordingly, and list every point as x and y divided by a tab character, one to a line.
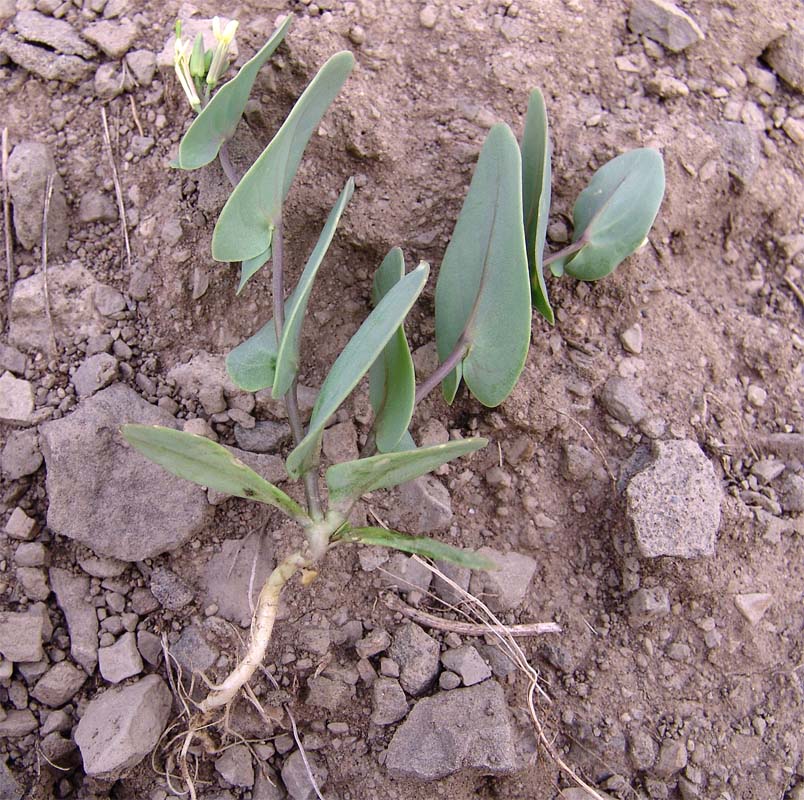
46	289
7	232
118	191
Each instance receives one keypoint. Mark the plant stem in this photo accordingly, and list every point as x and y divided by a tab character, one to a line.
226	163
291	399
261	629
444	369
567	251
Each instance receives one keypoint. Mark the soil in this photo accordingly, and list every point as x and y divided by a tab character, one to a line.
715	293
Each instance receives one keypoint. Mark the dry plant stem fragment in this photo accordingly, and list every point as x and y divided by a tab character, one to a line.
261	629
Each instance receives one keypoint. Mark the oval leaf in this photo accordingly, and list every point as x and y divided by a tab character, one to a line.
392	379
536	174
354	361
351	479
615	212
483	291
287	358
252	210
252	364
420	545
204	462
217	122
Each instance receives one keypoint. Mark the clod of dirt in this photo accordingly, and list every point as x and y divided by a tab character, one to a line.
96	373
674	503
114	38
82	621
504	588
753	605
29	166
296	779
786	56
664	23
103	493
235	766
56	34
417	654
21	455
21	636
142	64
121	726
468	663
16	399
740	149
425	506
389	703
620	397
45	63
192	651
9	788
464	728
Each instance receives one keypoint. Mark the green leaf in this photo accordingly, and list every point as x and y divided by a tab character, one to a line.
252	364
351	479
483	291
615	212
204	462
392	380
353	363
287	359
217	122
420	545
252	210
251	266
536	173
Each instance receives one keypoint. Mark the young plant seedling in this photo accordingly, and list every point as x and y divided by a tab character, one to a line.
492	268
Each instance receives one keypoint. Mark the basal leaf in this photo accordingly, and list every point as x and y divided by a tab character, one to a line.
536	173
420	545
392	380
252	364
251	266
354	361
615	212
483	291
252	210
217	122
204	462
287	359
351	479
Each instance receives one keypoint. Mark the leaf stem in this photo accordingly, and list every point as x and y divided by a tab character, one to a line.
567	251
444	369
226	163
290	399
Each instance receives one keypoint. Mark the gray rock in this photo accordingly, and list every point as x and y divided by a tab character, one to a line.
373	643
501	664
109	82
631	339
97	206
786	57
327	693
57	34
21	526
105	494
647	605
46	64
296	779
267	785
468	663
265	437
767	469
102	567
642	749
142	64
389	703
30	554
448	680
96	373
12	360
121	726
458	575
142	145
340	443
18	723
792	494
227	575
150	647
505	588
740	149
59	684
205	378
664	23
406	574
192	651
10	789
120	661
674	503
29	166
170	590
107	300
73	313
235	767
72	592
425	506
33	582
16	399
114	38
417	654
753	605
621	399
21	636
462	729
672	758
21	455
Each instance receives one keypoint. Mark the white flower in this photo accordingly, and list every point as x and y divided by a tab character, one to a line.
181	62
224	39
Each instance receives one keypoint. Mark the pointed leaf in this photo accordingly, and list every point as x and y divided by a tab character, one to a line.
483	291
354	361
420	545
217	122
392	380
251	266
204	462
252	364
536	173
615	212
351	479
287	359
253	208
